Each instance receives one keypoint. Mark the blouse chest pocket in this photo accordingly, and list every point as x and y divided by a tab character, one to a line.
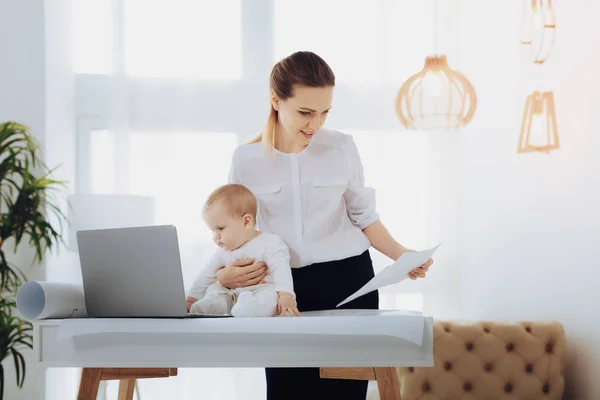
326	193
265	189
330	182
268	197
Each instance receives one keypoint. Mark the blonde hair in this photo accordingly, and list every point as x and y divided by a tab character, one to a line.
237	200
302	68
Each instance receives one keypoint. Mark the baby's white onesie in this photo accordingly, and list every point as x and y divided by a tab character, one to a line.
257	300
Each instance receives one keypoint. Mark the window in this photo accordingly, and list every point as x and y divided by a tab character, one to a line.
365	42
401	190
92	36
161	38
103	163
183	38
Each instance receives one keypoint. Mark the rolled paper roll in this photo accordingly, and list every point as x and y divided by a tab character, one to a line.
46	300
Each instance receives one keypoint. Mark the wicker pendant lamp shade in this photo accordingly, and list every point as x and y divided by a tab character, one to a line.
436	98
539	130
538	30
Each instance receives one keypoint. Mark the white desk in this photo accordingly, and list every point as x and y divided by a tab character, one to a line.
160	343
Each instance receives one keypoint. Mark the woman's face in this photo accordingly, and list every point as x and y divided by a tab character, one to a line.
303	114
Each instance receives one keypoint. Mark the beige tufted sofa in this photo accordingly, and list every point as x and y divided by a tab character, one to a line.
486	361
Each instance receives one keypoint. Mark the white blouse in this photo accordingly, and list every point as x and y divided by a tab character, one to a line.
315	200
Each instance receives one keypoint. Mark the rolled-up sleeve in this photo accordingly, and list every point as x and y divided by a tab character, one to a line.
360	199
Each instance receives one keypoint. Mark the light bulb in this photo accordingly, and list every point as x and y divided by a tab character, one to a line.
433	83
537	132
537	19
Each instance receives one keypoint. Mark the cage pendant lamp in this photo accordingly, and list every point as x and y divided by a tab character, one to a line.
539	130
437	97
538	30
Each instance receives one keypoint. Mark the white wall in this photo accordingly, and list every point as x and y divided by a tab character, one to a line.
530	221
38	91
61	142
61	265
442	286
23	100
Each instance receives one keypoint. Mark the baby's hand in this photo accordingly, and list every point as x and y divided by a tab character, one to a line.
286	305
189	301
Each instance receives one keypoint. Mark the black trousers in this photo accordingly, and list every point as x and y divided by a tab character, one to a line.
322	286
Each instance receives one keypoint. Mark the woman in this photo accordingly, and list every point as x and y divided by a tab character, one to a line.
310	188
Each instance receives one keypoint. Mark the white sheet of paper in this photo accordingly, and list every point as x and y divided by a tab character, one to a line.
394	273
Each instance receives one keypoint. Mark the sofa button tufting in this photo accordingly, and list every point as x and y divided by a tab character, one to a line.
528	368
469	346
488	367
447	329
508	388
549	348
486	329
528	329
447	366
426	387
411	369
510	347
546	388
468	387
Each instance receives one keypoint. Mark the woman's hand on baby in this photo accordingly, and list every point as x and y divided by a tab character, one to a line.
286	305
242	273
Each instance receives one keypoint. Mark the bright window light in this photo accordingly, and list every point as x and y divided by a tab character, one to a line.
92	37
183	38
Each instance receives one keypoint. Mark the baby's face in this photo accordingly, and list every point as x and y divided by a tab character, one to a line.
229	232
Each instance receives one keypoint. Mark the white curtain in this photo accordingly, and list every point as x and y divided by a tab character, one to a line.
166	89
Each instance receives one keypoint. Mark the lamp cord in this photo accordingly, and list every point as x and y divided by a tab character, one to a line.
435	27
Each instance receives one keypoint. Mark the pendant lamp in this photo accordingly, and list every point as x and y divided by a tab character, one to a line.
539	131
437	97
538	30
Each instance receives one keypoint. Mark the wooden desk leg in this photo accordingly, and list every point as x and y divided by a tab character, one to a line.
91	377
126	387
89	384
387	383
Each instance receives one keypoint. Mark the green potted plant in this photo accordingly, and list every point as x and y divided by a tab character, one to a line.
27	205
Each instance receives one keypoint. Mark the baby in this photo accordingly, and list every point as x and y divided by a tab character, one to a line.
230	212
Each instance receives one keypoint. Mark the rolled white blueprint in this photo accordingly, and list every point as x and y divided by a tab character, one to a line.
46	300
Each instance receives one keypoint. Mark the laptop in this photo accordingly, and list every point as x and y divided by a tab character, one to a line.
133	272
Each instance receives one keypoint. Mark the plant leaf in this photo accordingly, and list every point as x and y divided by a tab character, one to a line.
19	367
